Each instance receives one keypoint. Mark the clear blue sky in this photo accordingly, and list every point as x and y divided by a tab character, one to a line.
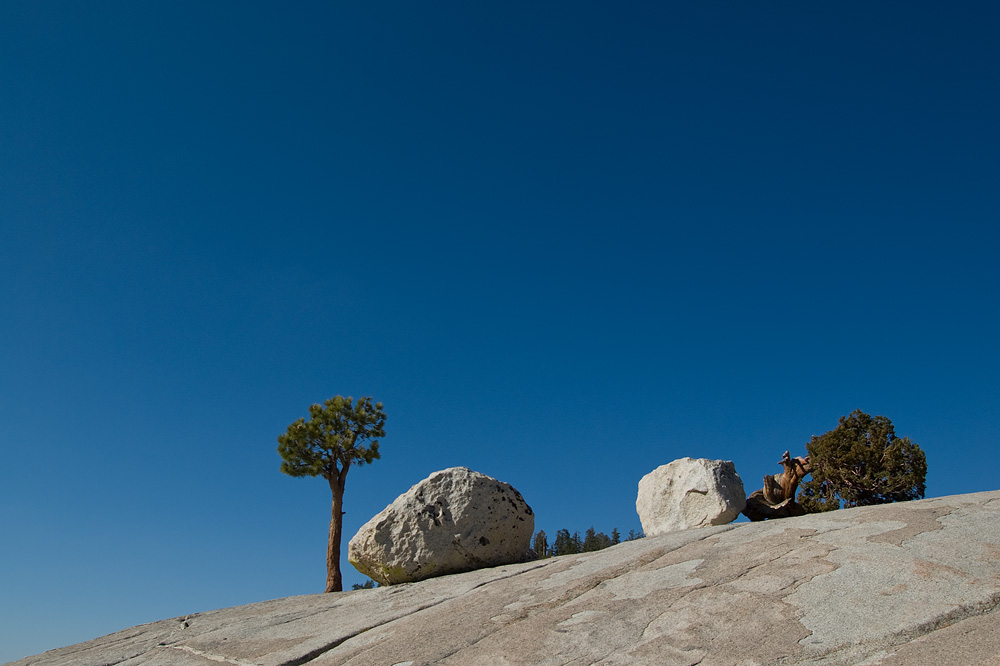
564	243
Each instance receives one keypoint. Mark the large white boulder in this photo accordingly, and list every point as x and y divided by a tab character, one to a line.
690	492
454	520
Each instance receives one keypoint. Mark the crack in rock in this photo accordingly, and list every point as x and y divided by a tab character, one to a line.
205	655
314	654
898	639
521	616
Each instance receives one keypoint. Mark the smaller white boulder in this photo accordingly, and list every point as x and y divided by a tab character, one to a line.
689	492
454	520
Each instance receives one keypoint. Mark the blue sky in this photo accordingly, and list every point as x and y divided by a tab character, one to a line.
563	244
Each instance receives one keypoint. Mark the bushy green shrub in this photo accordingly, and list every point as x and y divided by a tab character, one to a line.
862	462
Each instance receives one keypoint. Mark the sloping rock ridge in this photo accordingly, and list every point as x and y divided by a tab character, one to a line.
900	585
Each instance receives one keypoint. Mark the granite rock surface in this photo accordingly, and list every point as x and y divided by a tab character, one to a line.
453	521
689	492
905	584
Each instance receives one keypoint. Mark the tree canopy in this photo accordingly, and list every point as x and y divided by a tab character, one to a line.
862	462
331	440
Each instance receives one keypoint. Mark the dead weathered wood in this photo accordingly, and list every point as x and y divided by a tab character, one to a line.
777	498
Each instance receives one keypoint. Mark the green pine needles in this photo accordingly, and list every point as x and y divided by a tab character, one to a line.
331	440
862	462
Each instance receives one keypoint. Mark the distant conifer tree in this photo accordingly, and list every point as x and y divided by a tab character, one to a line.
564	544
593	541
541	545
571	544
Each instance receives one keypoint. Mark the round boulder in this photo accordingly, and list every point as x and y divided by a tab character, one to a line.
454	520
690	492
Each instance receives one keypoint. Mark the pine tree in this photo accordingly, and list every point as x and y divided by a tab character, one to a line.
862	462
564	544
567	544
327	445
594	541
541	545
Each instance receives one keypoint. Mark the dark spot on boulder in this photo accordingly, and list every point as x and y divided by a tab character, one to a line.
483	541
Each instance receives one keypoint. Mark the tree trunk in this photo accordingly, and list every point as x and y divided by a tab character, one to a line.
333	578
